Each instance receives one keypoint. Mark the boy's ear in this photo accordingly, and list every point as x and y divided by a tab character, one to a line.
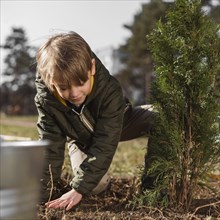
93	67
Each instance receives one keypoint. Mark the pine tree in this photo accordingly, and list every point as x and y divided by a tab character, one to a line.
18	88
186	145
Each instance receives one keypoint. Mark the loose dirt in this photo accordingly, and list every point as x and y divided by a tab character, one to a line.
114	205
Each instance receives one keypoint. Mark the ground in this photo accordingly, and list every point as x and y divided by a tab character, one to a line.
116	204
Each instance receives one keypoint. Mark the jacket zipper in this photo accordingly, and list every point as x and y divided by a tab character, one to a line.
83	119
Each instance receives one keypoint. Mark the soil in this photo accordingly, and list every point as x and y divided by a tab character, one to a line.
115	204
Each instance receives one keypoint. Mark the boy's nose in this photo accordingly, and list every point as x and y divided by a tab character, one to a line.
74	92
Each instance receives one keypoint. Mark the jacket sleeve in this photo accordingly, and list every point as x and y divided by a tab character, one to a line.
104	142
54	153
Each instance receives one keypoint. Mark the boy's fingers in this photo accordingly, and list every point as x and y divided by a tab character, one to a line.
73	203
58	203
53	203
64	203
70	205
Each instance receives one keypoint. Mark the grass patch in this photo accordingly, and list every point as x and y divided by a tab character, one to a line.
29	118
19	131
128	159
19	126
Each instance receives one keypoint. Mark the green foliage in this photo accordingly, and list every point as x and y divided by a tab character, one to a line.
186	52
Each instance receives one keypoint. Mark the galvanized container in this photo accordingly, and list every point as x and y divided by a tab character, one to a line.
21	164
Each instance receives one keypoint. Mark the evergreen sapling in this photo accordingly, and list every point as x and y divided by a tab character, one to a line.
185	145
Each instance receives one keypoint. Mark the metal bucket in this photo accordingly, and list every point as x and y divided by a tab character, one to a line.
21	164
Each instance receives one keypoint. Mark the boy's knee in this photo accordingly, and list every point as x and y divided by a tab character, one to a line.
76	157
102	185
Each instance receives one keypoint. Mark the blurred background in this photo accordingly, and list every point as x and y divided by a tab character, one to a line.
115	30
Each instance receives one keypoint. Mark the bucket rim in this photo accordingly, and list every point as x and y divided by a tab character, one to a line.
40	143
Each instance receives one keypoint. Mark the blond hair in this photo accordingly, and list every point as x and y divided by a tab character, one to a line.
65	58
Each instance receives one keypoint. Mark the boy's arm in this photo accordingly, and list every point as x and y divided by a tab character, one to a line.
104	142
54	153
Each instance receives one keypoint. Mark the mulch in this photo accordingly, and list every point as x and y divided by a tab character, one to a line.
115	204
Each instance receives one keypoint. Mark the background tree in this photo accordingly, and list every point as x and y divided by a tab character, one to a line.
186	52
137	76
18	89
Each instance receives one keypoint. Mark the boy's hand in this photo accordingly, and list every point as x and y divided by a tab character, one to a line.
67	200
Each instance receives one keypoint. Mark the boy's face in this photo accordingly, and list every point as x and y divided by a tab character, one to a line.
76	94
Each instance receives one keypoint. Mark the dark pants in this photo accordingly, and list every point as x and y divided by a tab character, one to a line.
138	121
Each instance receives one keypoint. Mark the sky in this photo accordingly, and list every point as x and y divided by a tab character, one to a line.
100	22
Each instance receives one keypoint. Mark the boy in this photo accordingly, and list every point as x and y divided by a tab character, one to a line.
81	104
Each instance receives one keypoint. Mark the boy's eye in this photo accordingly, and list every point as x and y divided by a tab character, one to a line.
63	88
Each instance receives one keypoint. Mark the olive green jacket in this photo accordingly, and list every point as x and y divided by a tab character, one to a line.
96	129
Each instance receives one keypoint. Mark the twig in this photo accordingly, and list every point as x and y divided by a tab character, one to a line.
51	191
51	179
203	206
